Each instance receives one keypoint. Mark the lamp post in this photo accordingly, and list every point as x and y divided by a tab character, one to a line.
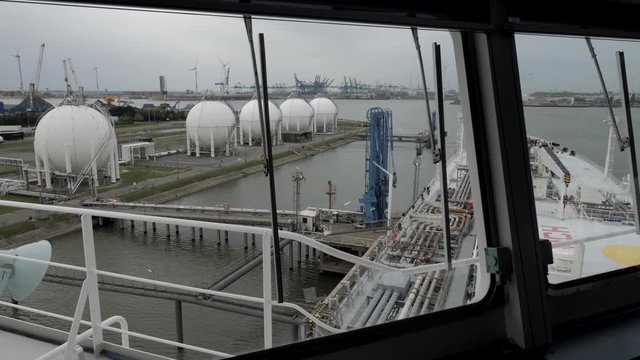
390	193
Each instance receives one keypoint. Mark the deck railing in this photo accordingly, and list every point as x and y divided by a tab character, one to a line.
90	292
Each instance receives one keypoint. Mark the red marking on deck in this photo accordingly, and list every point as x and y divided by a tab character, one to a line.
555	234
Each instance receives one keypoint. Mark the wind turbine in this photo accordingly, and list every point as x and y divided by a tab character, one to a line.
95	68
195	68
224	83
17	56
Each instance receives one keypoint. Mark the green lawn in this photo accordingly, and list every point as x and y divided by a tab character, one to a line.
351	123
17	228
139	173
8	197
142	193
7	169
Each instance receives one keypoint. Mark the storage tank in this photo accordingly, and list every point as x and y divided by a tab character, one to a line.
250	121
210	125
325	114
68	137
297	115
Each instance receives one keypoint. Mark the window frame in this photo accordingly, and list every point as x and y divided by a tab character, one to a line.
523	307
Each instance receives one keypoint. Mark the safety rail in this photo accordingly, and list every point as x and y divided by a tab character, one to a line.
609	176
90	291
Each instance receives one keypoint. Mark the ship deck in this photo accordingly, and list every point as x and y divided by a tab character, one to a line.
366	297
15	346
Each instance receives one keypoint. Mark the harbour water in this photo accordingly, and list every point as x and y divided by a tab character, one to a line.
176	259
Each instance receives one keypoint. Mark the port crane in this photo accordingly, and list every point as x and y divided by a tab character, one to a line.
66	78
76	82
33	86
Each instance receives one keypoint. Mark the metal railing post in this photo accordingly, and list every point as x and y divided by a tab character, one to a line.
266	288
92	282
75	325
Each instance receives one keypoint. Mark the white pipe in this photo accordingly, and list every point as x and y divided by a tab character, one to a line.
387	310
381	305
367	312
197	145
430	293
421	295
412	295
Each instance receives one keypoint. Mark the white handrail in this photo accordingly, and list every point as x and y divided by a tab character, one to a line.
124	331
105	324
266	300
241	229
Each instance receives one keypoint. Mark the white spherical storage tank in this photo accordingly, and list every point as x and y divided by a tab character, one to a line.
210	125
297	114
69	137
250	121
325	114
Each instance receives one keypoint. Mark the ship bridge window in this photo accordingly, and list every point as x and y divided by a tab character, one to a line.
582	159
380	179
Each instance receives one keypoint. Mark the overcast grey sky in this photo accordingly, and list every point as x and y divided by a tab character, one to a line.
132	48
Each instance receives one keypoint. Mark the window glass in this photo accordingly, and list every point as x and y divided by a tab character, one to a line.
580	164
354	169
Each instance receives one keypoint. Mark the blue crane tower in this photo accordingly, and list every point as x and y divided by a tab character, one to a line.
379	151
